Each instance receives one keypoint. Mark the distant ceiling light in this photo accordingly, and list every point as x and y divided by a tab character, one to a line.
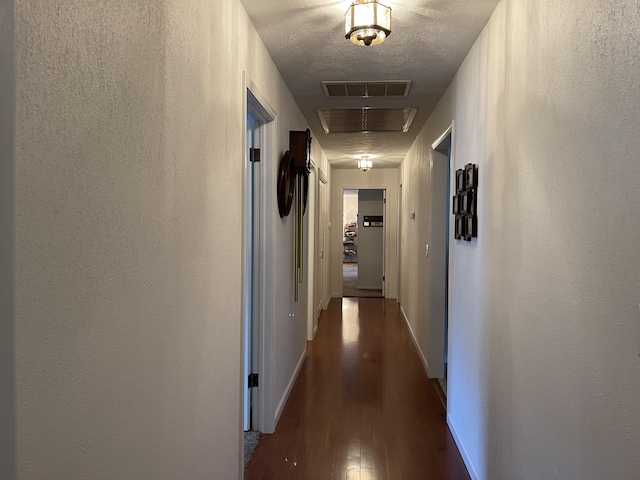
365	164
367	22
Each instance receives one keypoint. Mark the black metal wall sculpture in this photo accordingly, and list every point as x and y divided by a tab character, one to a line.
465	203
286	184
300	148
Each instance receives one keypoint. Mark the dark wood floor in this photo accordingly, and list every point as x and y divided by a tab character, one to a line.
362	406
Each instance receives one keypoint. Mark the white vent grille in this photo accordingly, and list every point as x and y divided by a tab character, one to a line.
367	119
395	88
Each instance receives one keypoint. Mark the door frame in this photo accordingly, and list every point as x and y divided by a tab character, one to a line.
385	234
322	267
255	104
399	247
441	259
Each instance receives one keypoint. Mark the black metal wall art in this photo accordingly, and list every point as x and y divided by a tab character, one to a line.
300	167
286	185
465	203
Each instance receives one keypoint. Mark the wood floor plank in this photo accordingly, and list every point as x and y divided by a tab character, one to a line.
362	406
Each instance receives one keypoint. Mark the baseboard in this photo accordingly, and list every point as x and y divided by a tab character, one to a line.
466	458
392	296
425	364
285	395
327	302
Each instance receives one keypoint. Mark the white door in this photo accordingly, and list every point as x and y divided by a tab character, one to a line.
371	226
252	273
321	295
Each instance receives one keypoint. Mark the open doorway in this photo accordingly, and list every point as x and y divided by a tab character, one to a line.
440	228
363	243
252	267
257	267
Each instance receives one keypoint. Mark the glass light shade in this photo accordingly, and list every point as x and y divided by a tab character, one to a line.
367	22
365	164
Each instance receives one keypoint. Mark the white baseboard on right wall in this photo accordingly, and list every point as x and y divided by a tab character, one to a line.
471	466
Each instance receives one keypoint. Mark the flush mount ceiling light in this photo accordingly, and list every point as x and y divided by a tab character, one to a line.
365	164
367	22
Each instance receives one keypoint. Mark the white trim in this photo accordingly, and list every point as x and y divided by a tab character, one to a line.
262	100
441	138
311	220
438	267
386	234
267	341
425	364
264	331
466	458
287	391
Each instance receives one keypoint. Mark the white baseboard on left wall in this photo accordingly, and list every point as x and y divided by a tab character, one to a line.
292	380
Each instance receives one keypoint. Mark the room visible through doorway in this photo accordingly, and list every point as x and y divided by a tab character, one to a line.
363	243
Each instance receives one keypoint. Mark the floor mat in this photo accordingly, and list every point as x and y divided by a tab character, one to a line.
251	439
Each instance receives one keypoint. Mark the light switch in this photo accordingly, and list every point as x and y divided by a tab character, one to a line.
426	250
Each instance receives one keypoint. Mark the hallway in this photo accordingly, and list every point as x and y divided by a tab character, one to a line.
362	406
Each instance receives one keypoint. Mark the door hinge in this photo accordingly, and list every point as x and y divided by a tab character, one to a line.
253	380
254	155
383	278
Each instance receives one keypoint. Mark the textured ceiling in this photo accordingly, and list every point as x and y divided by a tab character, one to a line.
429	40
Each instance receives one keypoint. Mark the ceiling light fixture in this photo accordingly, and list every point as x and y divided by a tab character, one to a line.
367	22
365	164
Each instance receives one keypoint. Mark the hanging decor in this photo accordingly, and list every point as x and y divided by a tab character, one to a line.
286	184
465	203
300	147
367	22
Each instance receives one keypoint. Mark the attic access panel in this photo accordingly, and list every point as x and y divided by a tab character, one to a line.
367	119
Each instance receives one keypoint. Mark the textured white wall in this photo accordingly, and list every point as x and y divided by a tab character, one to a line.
384	178
129	178
544	304
7	160
128	181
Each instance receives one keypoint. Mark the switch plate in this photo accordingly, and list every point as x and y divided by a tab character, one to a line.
426	250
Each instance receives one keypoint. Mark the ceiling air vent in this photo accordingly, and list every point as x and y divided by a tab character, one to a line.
395	88
367	119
